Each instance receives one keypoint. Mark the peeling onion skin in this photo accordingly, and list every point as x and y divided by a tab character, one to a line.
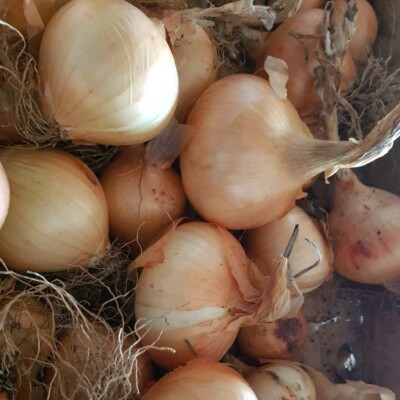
4	195
203	380
142	198
58	213
280	339
131	94
264	244
364	223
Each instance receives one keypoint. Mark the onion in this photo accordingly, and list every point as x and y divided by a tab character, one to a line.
4	196
58	213
251	153
263	245
197	289
363	224
207	380
282	380
121	89
195	57
142	198
280	339
301	60
366	28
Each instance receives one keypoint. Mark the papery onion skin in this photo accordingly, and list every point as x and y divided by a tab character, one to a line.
4	196
204	380
301	59
364	226
58	213
131	93
142	198
239	111
281	380
280	339
264	244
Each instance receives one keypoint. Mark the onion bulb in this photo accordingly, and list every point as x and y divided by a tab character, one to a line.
366	27
251	154
197	289
203	380
195	58
119	90
58	213
264	244
280	339
86	359
142	198
363	224
301	58
281	380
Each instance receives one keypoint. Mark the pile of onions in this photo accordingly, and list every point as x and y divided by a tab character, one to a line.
142	198
58	213
86	357
197	289
363	224
119	90
195	58
251	154
280	339
204	380
265	244
301	58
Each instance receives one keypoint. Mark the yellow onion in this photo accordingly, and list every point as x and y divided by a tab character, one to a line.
300	56
363	224
280	380
204	380
250	154
366	27
120	88
197	289
87	358
142	198
280	339
58	213
195	58
264	244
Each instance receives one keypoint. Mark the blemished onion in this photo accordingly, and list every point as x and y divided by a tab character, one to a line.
281	380
204	380
363	224
197	289
275	340
58	213
119	90
300	56
142	198
251	154
264	244
366	28
195	58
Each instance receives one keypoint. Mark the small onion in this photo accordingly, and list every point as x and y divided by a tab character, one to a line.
195	58
280	339
142	198
301	60
121	89
363	224
263	245
280	380
197	289
207	380
58	213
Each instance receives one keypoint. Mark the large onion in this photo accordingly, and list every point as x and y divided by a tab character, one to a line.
121	89
142	198
208	380
58	213
263	245
196	290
